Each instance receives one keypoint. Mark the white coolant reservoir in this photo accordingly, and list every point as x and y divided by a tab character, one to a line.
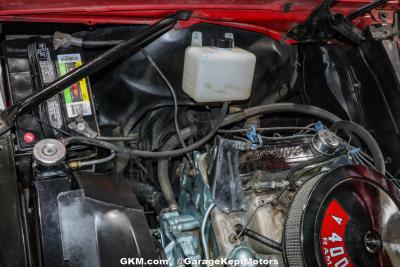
218	73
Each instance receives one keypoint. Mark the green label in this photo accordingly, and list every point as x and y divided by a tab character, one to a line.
67	93
76	96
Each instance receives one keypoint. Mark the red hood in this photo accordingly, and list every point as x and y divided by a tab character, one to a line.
272	17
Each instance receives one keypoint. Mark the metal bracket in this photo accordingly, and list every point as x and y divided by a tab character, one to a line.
322	26
382	32
197	39
230	35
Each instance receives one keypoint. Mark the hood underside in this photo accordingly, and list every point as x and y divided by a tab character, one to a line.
271	17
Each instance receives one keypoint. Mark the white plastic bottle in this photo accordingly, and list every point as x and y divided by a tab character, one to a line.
218	73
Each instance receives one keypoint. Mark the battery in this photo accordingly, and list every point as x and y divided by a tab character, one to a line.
31	70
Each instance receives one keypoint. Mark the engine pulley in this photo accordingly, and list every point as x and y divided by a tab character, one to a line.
347	217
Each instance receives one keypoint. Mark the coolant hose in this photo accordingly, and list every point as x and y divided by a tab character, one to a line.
281	108
162	168
366	137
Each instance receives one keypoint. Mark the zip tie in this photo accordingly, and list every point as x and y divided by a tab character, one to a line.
252	134
354	151
319	126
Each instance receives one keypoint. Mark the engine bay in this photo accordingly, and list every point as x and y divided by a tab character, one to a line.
199	146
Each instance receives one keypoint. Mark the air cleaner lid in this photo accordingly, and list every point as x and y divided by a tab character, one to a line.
348	217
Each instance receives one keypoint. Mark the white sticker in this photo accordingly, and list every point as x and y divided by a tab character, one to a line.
69	58
78	108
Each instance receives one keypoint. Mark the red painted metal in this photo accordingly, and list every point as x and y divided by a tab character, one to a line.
271	17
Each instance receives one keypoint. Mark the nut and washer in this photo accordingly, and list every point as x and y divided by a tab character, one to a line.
49	152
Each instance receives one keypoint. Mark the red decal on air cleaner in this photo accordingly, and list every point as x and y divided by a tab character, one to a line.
332	236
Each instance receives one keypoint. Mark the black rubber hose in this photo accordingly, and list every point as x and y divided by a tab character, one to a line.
162	168
359	12
222	121
366	137
258	237
98	43
118	138
173	94
151	154
281	108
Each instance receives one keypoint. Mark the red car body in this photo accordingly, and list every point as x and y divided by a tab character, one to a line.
271	17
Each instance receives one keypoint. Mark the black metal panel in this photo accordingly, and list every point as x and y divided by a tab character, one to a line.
96	233
380	96
93	226
48	223
328	81
227	190
12	239
109	189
